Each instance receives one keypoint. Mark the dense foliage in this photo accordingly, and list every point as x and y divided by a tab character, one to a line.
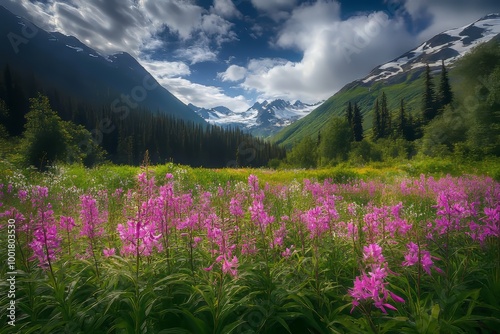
159	255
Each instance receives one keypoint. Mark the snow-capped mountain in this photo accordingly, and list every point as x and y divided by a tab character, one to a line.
405	71
448	46
262	119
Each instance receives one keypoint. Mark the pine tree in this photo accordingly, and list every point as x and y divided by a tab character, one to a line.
401	123
385	118
445	95
411	128
349	114
376	121
357	123
428	98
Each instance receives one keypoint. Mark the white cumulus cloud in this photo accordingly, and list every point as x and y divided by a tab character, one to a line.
233	73
204	95
334	52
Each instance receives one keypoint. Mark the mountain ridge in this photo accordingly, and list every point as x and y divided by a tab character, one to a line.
66	64
399	78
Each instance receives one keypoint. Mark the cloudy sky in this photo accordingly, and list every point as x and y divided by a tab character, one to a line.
236	52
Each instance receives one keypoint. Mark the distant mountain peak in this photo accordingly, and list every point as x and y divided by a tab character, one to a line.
261	119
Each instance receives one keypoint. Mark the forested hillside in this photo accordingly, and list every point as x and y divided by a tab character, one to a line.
452	112
55	126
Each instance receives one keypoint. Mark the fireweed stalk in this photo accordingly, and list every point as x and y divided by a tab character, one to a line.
140	235
46	242
67	224
371	287
166	206
452	209
92	225
259	216
317	222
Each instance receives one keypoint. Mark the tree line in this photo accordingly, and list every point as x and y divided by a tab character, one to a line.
79	132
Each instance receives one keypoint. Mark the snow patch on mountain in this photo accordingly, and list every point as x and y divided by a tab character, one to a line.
447	46
75	48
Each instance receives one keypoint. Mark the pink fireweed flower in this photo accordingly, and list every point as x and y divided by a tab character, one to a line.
46	242
426	259
488	226
66	223
287	252
248	247
328	205
352	208
411	257
108	252
371	286
235	207
137	237
316	220
17	216
253	182
22	195
146	184
38	195
453	209
385	221
92	220
118	192
372	255
279	236
141	235
196	241
259	215
209	268
230	267
45	245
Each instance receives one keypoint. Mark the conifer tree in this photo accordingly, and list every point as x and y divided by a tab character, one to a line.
445	95
401	122
349	114
357	123
411	128
376	121
385	118
428	98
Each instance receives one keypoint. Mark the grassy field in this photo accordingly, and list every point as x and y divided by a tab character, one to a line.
402	248
113	176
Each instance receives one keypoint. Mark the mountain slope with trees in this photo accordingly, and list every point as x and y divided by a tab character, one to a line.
64	64
399	79
458	115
